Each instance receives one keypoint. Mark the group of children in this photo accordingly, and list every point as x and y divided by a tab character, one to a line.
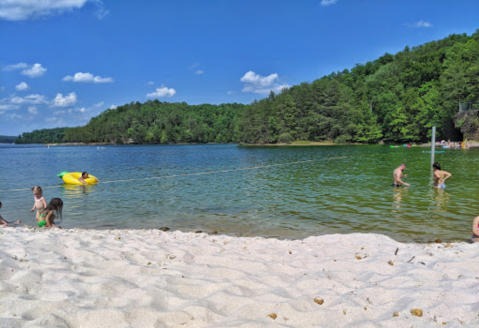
46	214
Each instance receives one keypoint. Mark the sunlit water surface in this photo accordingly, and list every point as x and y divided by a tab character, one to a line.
340	189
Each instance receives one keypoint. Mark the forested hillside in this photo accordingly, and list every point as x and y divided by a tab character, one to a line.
396	98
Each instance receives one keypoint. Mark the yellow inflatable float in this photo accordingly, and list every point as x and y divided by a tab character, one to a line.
72	178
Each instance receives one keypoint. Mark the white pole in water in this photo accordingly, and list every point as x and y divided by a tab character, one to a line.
433	144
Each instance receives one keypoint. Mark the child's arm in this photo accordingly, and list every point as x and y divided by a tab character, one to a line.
48	219
33	209
44	202
447	175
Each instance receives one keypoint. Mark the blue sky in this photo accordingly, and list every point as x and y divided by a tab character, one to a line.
64	61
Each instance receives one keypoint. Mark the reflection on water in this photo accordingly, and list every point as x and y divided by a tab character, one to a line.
440	199
340	190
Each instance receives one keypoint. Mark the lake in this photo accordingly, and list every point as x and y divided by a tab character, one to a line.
285	192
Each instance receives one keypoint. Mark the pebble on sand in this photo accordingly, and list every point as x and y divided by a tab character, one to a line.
273	316
319	301
416	312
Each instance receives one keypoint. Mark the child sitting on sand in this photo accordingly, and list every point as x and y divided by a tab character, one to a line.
47	216
4	222
475	230
39	201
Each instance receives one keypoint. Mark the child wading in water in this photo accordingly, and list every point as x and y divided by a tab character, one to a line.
40	202
47	216
4	222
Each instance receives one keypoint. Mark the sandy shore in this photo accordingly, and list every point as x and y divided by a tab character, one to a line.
149	278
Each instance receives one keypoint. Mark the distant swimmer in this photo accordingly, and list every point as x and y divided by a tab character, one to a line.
440	176
398	175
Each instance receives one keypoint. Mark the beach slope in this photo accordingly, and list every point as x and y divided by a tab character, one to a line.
149	278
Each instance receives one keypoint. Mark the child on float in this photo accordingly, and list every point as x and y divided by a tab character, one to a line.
39	202
83	177
4	222
46	218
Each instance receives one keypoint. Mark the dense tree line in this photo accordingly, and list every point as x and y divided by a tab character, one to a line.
396	98
7	139
56	135
161	122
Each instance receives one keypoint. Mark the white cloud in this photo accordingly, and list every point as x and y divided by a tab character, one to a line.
82	110
31	99
15	116
50	119
22	86
261	84
66	101
113	107
199	72
35	71
328	2
150	83
231	92
9	107
33	110
15	66
194	65
162	92
16	10
99	104
87	78
420	24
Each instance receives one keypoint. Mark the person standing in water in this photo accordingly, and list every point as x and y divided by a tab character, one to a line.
398	175
475	230
439	176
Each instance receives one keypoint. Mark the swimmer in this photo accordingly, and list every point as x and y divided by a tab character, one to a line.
47	216
398	175
84	176
440	176
4	222
475	230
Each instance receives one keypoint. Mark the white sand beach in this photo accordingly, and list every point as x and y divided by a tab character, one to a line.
149	278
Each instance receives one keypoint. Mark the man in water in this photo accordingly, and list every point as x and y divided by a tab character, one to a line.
398	175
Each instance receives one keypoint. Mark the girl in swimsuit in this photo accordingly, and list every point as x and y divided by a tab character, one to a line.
440	176
40	202
4	222
47	216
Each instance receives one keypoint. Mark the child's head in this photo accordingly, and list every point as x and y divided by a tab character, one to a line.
436	166
37	191
84	175
56	204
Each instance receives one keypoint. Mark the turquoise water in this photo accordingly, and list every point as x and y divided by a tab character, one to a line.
340	189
